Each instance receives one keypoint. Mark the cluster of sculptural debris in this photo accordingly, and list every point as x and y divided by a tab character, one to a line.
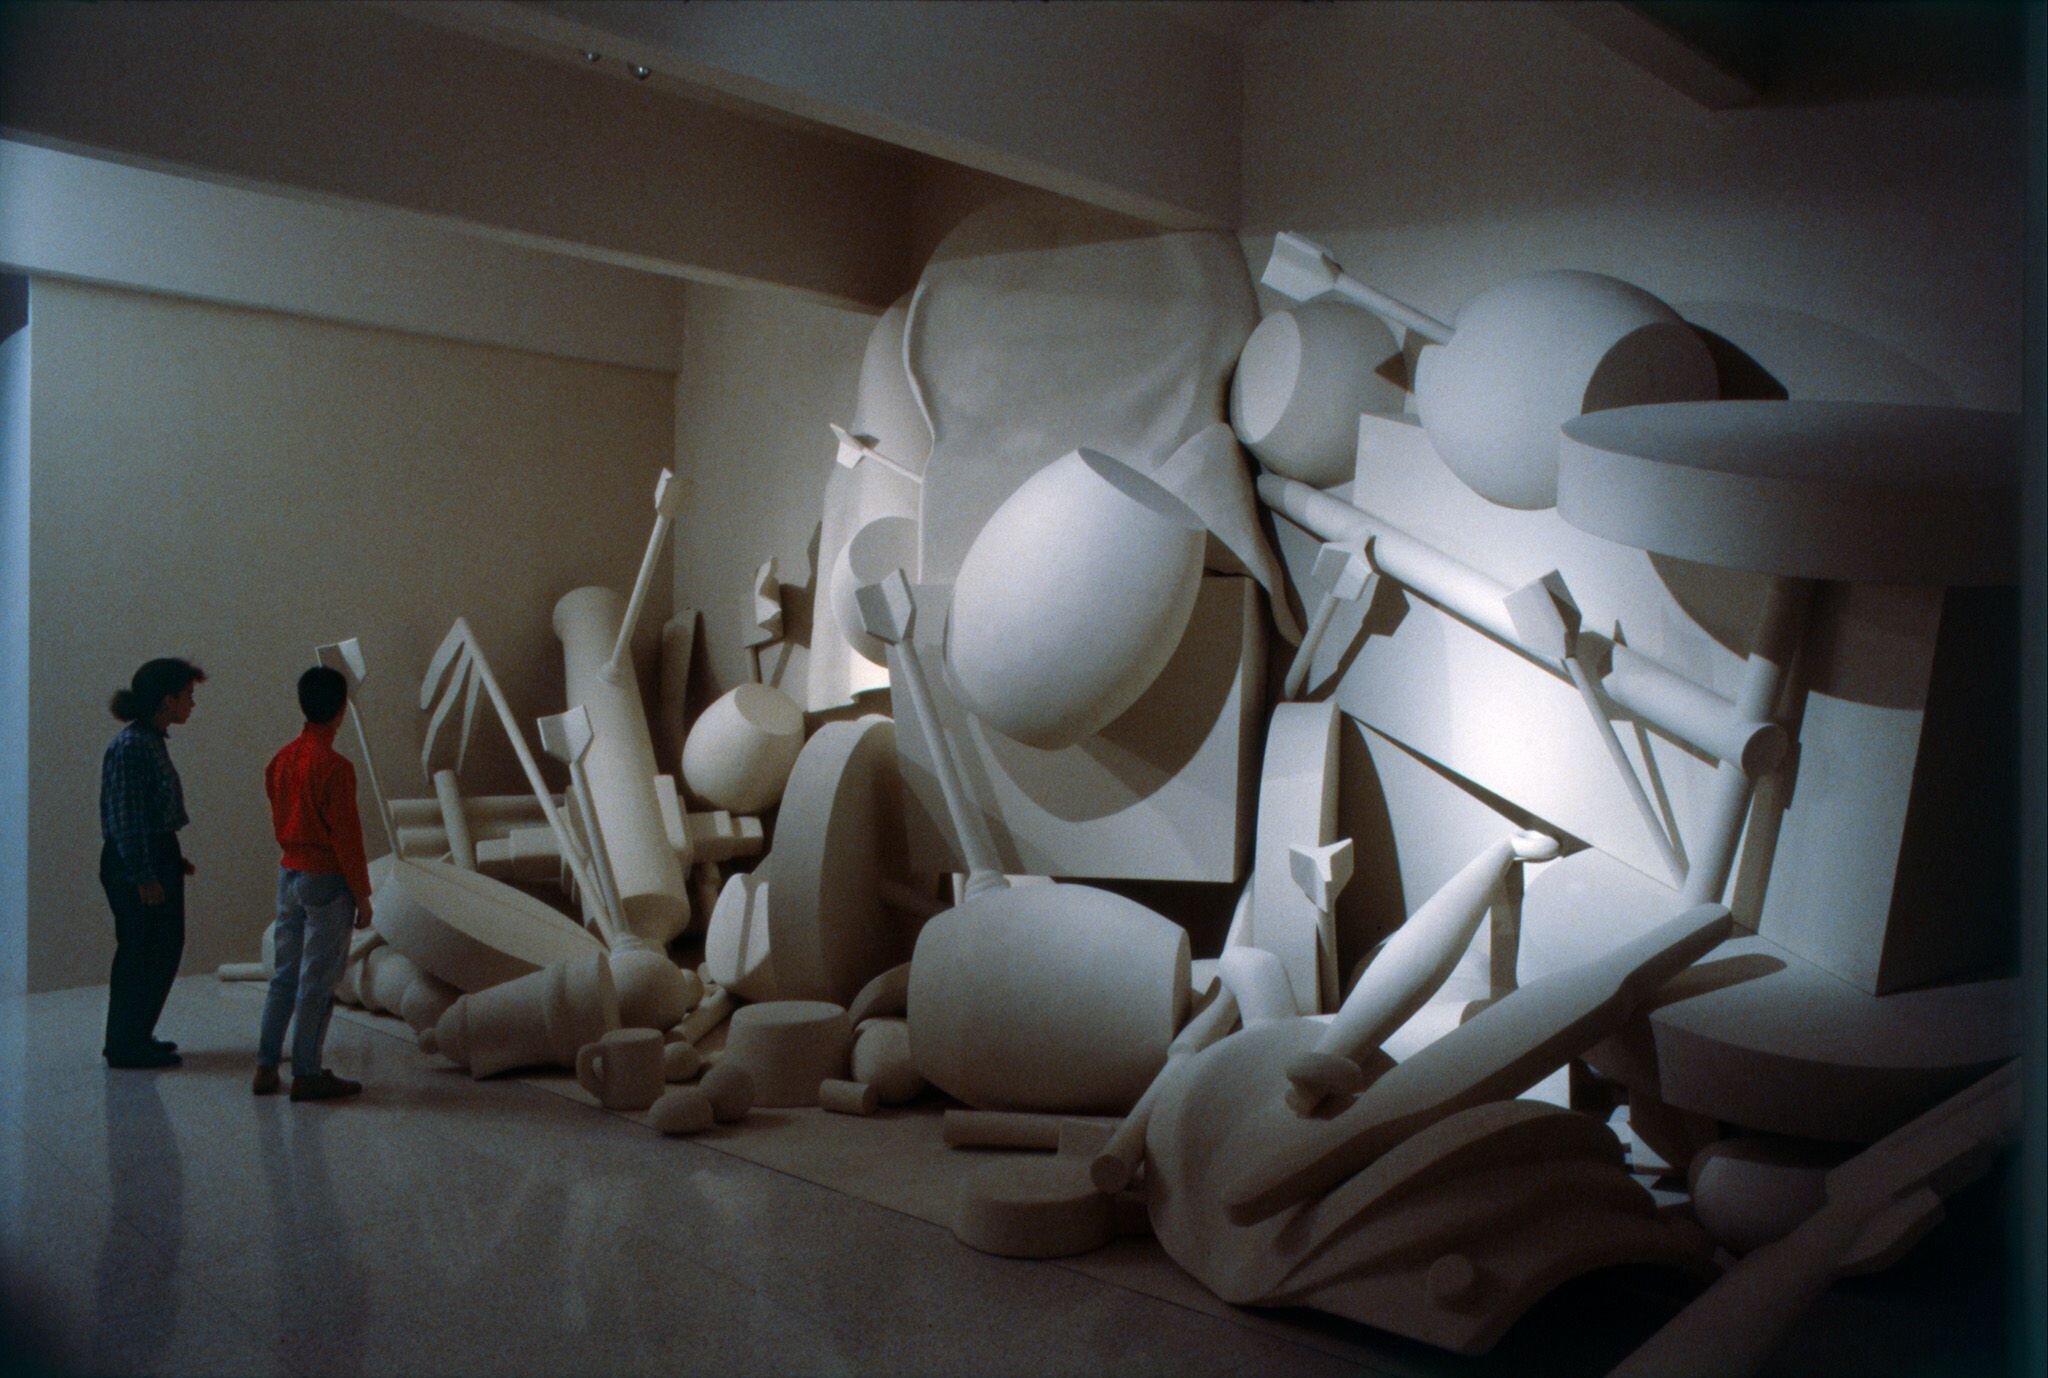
1044	539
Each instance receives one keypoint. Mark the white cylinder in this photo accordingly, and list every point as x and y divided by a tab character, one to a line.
789	1047
621	769
1072	599
461	850
1531	353
741	749
1692	713
1059	998
1302	380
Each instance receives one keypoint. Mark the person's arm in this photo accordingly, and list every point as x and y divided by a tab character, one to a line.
127	783
345	835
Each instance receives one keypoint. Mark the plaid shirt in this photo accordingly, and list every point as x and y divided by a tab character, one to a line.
139	796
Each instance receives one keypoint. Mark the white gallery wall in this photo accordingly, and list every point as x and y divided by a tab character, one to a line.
234	486
14	410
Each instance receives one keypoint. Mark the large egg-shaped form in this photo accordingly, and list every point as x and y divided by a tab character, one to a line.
1072	599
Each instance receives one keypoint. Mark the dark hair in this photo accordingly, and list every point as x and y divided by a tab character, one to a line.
323	693
166	677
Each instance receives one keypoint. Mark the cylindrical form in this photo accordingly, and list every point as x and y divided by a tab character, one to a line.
1301	382
1047	997
461	850
1258	982
1001	1129
541	1019
391	974
1036	1208
1692	713
425	1001
1533	352
789	1047
1072	599
847	1097
877	550
741	749
621	768
624	1069
467	929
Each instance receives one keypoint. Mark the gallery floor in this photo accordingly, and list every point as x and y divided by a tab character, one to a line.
170	1222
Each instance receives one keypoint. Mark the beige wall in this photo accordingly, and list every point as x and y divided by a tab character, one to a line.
236	485
761	375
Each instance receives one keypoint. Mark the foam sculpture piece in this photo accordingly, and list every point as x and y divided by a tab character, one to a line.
1103	330
467	929
1033	1208
425	1001
1302	380
882	1059
1321	873
458	670
389	975
729	1086
789	1047
876	550
1751	1191
737	954
1352	1212
567	738
678	649
1347	576
1408	969
1879	1204
764	619
625	1069
1072	599
542	1019
669	499
848	1097
681	1111
1117	1162
1524	356
1297	807
838	837
741	749
1210	474
714	1009
680	1061
887	420
620	766
886	994
1046	997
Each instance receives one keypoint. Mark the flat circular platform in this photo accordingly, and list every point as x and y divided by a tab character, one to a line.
1862	492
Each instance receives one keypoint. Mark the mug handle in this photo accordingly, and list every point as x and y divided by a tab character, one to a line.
590	1068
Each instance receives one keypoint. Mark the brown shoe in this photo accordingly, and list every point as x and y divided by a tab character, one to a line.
324	1085
265	1082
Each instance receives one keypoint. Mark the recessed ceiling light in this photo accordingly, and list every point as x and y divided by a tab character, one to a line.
589	56
640	73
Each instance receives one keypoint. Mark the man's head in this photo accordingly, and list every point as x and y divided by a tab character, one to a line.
323	694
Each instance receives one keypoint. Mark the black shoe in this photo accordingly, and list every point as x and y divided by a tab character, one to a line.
144	1058
265	1082
163	1045
324	1085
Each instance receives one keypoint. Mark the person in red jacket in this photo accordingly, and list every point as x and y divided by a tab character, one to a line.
323	889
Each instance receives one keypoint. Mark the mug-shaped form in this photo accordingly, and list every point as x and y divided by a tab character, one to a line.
876	551
1302	379
1072	599
624	1069
741	749
1058	998
1532	353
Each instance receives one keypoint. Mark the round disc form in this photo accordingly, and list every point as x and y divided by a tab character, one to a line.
1038	1207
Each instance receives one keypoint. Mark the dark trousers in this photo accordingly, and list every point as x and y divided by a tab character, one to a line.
148	941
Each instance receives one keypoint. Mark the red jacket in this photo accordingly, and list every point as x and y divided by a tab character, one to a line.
312	790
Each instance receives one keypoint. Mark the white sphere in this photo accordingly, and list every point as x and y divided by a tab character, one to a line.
1302	380
1533	352
741	749
1072	599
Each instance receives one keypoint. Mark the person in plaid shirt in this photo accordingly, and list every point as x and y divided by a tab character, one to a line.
142	870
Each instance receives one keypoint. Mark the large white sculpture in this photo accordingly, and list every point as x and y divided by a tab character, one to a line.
541	1019
1072	599
1524	356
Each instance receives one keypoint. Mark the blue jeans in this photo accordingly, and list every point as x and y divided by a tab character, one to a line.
314	916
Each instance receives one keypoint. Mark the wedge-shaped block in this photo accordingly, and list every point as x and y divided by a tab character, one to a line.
1162	793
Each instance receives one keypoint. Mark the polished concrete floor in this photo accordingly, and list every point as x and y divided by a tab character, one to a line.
172	1223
